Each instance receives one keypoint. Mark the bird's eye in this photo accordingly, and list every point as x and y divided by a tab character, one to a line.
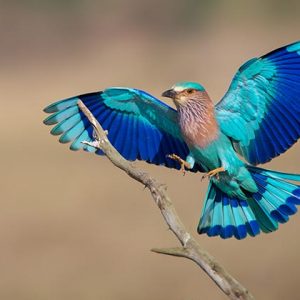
189	91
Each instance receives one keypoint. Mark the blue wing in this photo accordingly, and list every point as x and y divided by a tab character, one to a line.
261	110
139	125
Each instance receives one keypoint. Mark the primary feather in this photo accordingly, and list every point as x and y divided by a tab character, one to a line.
139	125
260	111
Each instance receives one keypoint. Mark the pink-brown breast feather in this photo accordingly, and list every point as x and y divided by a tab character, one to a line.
197	120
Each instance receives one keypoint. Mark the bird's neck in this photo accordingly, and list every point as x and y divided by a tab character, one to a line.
197	121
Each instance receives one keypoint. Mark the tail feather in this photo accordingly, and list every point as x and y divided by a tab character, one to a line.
208	206
275	174
217	217
270	203
239	221
277	192
252	225
227	230
274	203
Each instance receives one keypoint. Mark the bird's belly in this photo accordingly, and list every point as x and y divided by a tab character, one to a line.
236	175
218	153
207	157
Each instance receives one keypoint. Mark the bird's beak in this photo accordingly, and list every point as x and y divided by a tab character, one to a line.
169	94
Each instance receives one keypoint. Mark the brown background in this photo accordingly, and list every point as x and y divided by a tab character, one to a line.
71	225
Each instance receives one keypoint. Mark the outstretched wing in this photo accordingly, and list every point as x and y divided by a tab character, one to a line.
139	125
261	110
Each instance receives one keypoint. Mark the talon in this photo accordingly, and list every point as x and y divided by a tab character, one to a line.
183	163
214	172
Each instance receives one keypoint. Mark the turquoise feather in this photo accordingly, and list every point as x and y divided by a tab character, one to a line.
271	86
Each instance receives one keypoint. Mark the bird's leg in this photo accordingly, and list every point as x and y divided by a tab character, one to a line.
182	162
214	172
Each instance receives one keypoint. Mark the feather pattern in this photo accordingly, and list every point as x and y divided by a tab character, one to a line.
273	203
258	118
197	121
264	89
139	125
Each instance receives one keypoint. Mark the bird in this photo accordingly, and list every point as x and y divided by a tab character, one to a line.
256	120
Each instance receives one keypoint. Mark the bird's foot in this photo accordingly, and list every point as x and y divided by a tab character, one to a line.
214	172
183	164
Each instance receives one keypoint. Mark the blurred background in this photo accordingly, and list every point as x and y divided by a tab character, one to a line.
71	225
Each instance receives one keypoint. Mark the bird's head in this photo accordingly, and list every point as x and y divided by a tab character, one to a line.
182	92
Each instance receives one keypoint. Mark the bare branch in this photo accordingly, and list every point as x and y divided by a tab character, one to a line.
190	248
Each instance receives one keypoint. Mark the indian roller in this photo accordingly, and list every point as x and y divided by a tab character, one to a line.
257	120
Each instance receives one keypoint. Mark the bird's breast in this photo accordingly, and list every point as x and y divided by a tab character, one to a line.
198	123
199	133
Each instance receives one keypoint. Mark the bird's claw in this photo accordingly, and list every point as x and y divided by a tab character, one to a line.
214	172
183	163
